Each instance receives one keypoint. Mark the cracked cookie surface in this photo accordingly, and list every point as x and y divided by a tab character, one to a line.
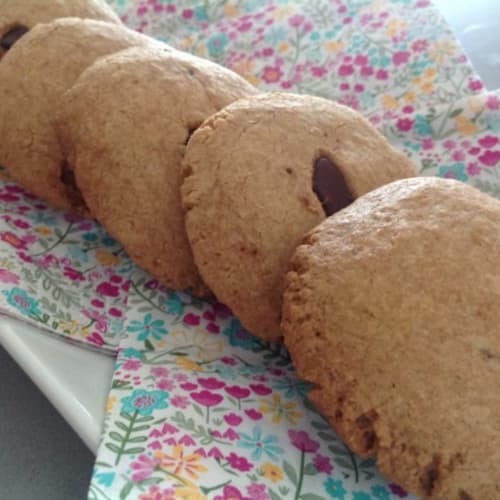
391	310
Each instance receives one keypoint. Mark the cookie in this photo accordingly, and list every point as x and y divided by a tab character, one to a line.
126	122
391	310
17	17
34	74
261	173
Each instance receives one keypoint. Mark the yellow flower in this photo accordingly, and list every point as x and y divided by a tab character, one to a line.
410	97
43	230
465	126
475	104
395	27
70	327
441	50
416	81
389	102
272	472
107	258
201	50
187	43
283	47
190	492
179	463
278	410
231	10
334	46
430	73
110	403
245	68
427	87
188	364
282	12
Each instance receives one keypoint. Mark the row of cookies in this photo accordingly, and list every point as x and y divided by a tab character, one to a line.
211	186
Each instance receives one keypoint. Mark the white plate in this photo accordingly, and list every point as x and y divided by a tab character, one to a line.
75	380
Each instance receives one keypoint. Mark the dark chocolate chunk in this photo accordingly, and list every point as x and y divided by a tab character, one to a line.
330	186
12	36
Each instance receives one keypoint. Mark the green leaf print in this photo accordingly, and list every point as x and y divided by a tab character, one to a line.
310	470
311	496
290	472
273	495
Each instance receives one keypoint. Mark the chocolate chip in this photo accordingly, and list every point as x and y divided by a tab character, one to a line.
12	36
330	186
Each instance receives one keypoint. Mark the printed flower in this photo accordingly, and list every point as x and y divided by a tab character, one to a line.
144	402
380	493
279	410
231	493
188	364
43	230
233	419
216	44
143	467
260	389
107	290
9	277
156	493
207	398
159	371
360	495
291	387
257	491
400	57
131	364
465	126
12	240
238	463
453	171
110	403
488	141
237	391
302	441
489	158
272	74
473	169
70	327
22	301
189	492
180	463
107	258
238	336
253	414
404	124
272	472
420	45
211	383
335	488
100	321
475	85
73	274
260	445
322	464
442	50
148	326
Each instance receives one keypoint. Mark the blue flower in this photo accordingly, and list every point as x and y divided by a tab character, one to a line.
380	493
90	236
260	445
422	126
130	352
105	478
238	337
360	495
144	402
291	387
174	304
315	35
148	326
200	13
22	301
107	241
453	171
216	44
335	488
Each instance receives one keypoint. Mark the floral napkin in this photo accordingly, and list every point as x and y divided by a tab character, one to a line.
199	408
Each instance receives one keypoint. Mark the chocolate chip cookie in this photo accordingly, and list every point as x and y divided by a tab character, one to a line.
126	122
17	17
34	74
261	173
391	310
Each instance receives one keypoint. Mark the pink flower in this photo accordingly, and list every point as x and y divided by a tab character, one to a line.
155	492
359	87
187	440
73	274
180	402
404	124
307	27
213	328
151	284
211	383
164	384
420	45
108	290
302	441
21	224
207	398
422	3
260	389
473	169
113	311
239	463
228	361
13	240
181	377
397	490
95	338
408	109
201	452
449	144
361	60
493	103
171	8
272	74
254	414
131	364
231	435
458	155
8	197
244	27
191	319
488	141
159	371
8	277
344	86
381	74
427	143
144	466
257	491
233	419
367	71
296	20
215	453
231	493
489	158
474	151
322	464
345	70
475	85
267	52
400	57
318	71
100	320
238	392
188	386
97	303
187	13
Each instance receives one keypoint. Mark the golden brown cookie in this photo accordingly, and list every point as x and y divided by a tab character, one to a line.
17	17
126	122
34	74
261	173
392	311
